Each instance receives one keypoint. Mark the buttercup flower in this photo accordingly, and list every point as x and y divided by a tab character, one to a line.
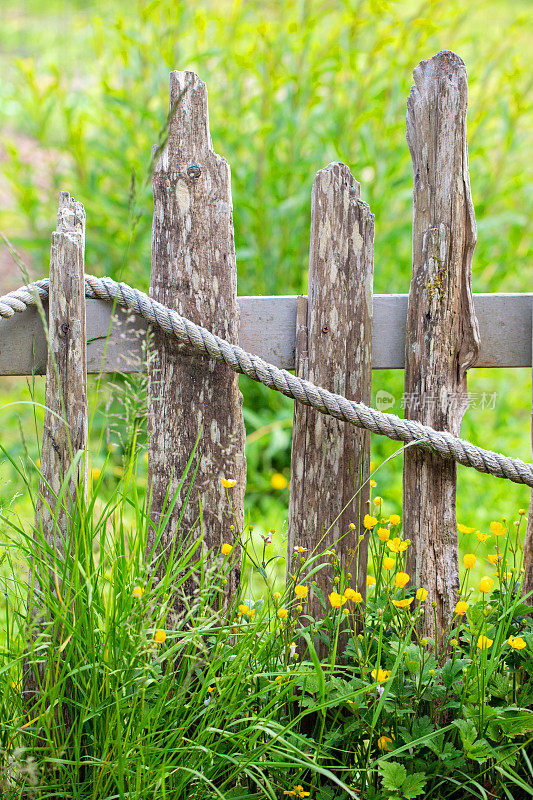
401	579
388	562
243	608
370	580
373	484
226	549
160	636
301	591
283	613
469	560
485	585
421	594
378	501
138	591
521	511
336	599
516	642
380	675
383	743
278	481
403	603
352	526
482	537
276	596
300	550
394	519
396	545
354	596
383	534
228	483
461	607
493	558
497	529
484	642
465	529
369	522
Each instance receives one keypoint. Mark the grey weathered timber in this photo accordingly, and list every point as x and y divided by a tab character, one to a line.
66	415
194	270
527	585
267	329
442	339
330	460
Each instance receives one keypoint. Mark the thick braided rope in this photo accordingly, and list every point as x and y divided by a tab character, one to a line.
185	331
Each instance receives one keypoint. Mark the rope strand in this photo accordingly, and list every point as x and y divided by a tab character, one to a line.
441	442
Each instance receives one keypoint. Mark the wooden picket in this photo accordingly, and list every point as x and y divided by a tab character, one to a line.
330	460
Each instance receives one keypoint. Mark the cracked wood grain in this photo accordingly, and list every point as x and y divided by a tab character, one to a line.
66	414
330	459
194	270
442	339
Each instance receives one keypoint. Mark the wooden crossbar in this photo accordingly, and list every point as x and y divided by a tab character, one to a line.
268	329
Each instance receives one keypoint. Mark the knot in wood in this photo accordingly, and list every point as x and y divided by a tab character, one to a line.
194	171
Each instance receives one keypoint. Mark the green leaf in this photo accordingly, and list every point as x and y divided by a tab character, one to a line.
413	785
393	774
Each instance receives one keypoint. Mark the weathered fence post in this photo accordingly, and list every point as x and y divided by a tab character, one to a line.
194	270
66	415
331	459
442	338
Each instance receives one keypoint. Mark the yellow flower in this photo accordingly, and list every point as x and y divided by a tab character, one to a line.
301	591
95	473
278	481
210	689
516	642
493	558
372	466
251	613
300	550
465	529
421	594
138	591
383	534
336	599
243	608
401	579
394	519
497	529
378	501
380	675
461	607
160	636
396	545
283	613
469	560
482	537
369	522
485	585
403	603
226	549
370	580
228	483
351	594
521	511
484	642
388	562
373	484
383	742
352	526
276	595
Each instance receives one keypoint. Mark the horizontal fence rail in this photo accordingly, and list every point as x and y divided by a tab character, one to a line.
268	330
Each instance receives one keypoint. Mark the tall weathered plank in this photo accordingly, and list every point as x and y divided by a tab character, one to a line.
330	459
442	339
194	270
65	421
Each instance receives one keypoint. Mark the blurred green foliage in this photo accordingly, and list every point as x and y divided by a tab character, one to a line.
292	86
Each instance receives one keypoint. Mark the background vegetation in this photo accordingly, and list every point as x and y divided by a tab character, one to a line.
292	86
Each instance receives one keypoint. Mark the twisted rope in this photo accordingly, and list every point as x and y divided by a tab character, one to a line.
237	359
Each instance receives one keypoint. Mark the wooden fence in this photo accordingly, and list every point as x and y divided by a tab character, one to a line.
334	337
